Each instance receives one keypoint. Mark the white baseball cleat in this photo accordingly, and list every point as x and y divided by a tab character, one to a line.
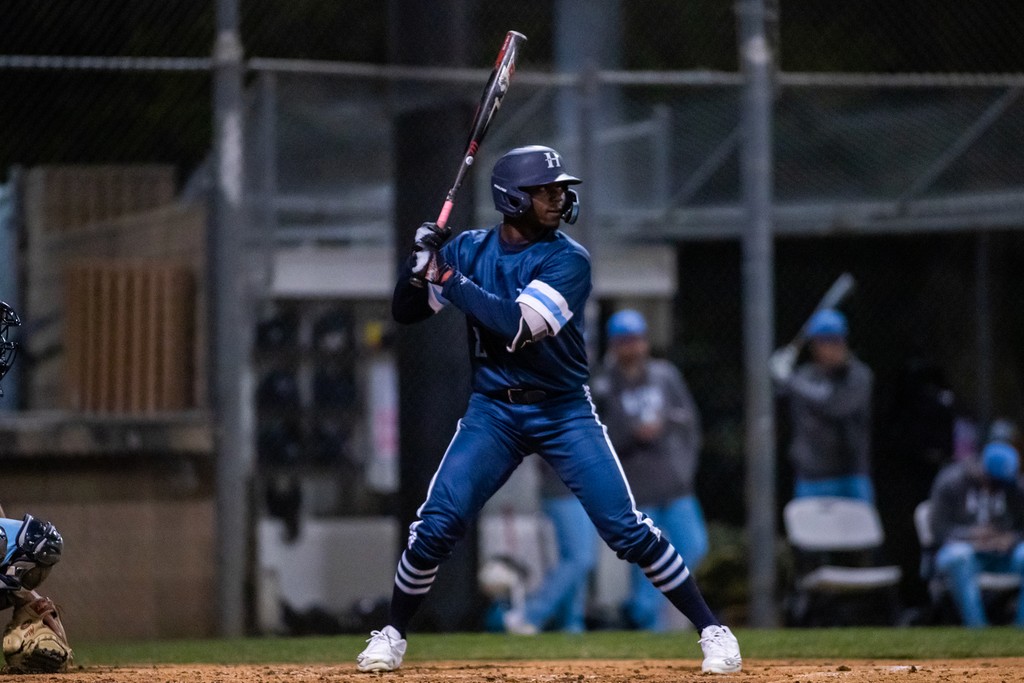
721	650
384	652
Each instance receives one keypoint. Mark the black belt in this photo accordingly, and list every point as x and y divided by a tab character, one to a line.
515	395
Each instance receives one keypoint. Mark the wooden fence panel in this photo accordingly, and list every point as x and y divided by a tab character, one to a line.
129	335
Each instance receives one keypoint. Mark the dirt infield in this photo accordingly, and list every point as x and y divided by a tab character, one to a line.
1007	670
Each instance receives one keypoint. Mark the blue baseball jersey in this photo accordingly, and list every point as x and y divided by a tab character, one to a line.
552	277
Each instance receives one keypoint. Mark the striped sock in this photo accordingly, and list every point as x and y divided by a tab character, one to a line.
671	576
412	584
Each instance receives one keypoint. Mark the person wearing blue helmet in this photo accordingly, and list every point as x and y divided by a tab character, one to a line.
559	602
654	424
977	519
523	285
830	403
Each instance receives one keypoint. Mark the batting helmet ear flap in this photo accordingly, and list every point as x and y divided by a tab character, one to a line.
572	206
519	202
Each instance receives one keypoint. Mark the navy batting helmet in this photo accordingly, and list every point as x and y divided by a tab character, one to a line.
531	167
8	348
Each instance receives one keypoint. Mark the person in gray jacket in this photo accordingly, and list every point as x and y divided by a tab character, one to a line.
978	521
830	410
654	425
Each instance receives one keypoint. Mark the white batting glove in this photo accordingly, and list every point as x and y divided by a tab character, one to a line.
420	261
429	236
782	362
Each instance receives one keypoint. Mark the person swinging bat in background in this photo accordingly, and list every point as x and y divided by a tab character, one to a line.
523	285
34	641
830	411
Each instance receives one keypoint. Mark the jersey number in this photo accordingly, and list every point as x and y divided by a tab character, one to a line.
478	346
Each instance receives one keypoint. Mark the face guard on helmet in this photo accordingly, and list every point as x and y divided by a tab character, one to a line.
8	348
531	166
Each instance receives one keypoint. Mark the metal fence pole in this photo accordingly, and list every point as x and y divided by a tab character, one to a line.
230	323
983	331
758	307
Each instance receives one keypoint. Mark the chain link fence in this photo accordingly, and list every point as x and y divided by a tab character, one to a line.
898	148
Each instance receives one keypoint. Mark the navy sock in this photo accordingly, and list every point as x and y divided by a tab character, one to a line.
669	574
688	599
412	583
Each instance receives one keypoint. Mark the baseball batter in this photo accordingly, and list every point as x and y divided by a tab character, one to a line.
523	285
34	640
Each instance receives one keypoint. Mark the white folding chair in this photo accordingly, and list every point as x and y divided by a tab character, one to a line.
835	543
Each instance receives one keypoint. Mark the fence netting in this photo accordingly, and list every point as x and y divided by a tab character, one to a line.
898	148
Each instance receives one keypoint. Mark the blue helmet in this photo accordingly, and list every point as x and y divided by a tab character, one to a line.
828	322
530	167
627	323
1000	461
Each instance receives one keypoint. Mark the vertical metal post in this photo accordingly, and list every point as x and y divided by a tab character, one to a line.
758	307
983	331
588	37
662	140
585	157
230	323
590	202
267	146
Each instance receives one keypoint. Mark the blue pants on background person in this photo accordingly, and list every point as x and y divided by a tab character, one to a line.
857	486
560	601
682	521
959	564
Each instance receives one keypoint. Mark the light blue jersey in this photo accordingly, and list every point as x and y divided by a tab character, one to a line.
11	528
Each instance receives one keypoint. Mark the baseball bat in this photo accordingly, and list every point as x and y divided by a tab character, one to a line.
490	101
832	297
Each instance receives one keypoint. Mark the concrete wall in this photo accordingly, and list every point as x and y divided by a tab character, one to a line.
139	559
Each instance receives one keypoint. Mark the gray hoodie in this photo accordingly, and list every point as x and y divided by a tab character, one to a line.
664	469
831	420
962	502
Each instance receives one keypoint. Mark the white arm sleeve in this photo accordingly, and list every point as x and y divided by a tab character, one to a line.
544	311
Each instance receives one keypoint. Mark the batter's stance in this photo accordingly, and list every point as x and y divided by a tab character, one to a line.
523	286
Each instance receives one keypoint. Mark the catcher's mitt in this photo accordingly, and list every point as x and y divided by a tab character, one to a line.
34	641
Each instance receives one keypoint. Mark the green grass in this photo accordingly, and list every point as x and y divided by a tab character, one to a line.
850	643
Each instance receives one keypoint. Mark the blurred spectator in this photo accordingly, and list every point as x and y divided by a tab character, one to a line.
965	439
977	517
560	602
654	425
1005	430
830	410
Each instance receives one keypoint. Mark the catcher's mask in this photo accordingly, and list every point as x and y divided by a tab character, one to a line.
8	348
